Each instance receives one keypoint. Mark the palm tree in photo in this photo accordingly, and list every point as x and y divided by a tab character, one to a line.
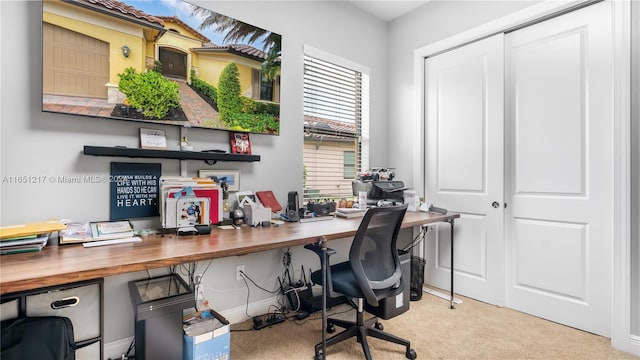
236	31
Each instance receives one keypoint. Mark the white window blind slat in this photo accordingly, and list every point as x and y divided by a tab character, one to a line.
336	128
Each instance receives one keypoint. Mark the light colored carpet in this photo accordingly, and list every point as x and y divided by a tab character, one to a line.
474	330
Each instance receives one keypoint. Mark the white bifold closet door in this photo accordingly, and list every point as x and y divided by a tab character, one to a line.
524	121
464	147
559	132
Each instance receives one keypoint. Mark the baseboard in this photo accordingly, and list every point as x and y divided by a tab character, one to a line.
239	314
115	349
634	345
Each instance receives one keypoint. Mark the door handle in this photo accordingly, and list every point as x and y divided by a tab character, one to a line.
495	204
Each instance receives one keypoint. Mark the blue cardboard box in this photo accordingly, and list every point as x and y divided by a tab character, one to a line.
212	345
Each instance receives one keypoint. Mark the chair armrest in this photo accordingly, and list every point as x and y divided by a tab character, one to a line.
318	249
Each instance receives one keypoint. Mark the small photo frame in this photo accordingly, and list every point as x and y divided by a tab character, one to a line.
240	195
240	143
153	139
230	177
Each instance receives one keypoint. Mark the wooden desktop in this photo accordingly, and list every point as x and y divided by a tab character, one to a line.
56	265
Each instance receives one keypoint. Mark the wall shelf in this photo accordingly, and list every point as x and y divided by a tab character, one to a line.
167	154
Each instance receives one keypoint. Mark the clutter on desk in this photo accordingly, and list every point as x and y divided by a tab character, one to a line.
391	191
350	212
255	214
41	227
188	202
24	243
109	230
28	237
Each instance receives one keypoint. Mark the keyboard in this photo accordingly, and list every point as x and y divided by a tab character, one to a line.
112	241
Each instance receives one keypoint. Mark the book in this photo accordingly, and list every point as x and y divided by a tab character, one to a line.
35	228
269	200
106	230
350	212
28	244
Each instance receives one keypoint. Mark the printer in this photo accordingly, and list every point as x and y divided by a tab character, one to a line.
391	191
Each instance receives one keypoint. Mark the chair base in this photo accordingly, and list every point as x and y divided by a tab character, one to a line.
360	330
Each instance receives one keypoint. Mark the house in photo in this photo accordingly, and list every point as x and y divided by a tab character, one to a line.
88	43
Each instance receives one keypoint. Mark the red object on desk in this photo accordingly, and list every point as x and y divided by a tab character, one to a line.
269	200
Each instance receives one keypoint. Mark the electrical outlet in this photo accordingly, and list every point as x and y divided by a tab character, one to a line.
238	269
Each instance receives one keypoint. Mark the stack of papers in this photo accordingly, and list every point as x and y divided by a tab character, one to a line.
188	201
108	230
23	244
350	212
27	237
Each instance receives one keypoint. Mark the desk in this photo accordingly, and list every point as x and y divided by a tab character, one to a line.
57	265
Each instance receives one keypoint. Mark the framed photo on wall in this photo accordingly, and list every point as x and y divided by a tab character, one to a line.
230	177
240	143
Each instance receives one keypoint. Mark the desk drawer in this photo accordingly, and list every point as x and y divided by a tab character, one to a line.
80	304
9	309
89	352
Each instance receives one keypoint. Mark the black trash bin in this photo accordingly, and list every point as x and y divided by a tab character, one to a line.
158	304
417	277
391	307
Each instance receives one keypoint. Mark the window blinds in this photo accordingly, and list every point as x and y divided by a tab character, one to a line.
336	114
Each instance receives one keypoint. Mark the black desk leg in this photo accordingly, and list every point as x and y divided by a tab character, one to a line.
323	244
452	268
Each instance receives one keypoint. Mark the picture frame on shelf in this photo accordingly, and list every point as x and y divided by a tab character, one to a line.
240	143
230	177
153	139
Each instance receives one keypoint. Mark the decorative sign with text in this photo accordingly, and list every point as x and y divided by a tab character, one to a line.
134	190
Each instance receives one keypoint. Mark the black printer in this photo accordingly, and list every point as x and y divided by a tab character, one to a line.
391	191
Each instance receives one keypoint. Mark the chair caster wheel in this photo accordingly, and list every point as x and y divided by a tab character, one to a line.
379	326
411	354
331	328
318	356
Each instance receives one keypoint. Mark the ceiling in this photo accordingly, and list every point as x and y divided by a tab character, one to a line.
388	10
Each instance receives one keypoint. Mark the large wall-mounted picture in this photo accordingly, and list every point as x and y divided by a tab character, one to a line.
165	62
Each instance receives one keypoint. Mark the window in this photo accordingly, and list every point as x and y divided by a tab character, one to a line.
336	125
266	88
349	165
262	87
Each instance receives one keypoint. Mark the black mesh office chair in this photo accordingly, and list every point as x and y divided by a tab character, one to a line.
372	273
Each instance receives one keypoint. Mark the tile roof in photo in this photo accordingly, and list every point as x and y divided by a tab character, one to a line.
238	49
124	9
176	20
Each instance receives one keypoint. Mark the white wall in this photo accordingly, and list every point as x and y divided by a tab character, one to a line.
635	169
434	21
45	144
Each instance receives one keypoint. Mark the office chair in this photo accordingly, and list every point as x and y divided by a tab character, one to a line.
372	273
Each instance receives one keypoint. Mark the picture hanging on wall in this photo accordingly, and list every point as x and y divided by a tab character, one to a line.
151	61
240	143
230	177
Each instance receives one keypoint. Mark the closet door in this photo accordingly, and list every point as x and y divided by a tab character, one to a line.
464	170
559	127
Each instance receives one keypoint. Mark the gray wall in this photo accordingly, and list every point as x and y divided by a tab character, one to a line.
37	143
